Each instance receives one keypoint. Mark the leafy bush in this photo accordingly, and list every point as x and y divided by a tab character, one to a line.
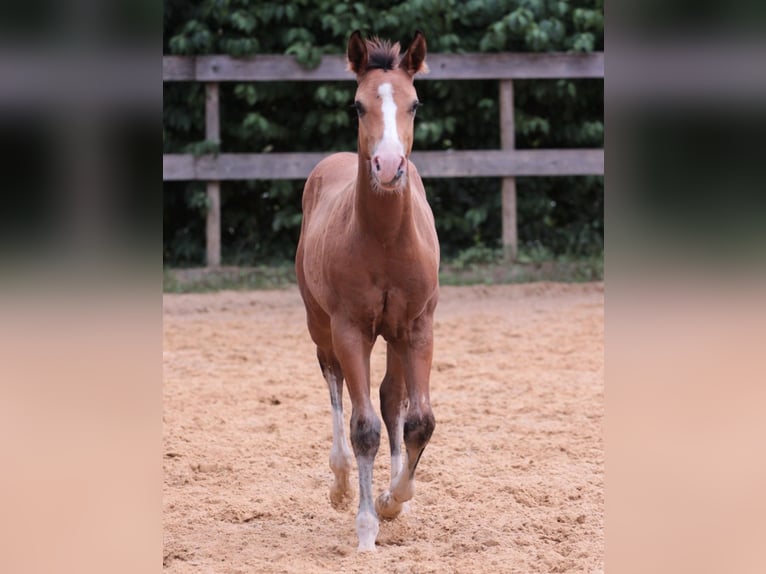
261	220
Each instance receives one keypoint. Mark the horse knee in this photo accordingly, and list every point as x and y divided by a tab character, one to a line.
418	428
365	435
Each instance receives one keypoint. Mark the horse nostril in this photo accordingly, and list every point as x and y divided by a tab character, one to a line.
377	164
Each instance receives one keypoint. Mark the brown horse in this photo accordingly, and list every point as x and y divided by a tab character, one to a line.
367	265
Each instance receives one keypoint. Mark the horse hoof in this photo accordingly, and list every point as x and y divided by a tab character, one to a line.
366	547
340	498
367	527
386	507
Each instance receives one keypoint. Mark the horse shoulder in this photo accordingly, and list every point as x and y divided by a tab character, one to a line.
327	208
424	217
327	178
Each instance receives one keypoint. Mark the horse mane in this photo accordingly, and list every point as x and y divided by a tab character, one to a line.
381	54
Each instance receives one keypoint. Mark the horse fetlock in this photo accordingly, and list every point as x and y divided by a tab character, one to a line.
341	493
387	506
340	462
403	489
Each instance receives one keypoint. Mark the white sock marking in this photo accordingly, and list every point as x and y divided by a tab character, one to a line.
396	466
340	453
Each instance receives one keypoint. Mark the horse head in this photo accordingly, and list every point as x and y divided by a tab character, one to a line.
386	103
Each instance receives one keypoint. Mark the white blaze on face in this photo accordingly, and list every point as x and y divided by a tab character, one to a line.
390	142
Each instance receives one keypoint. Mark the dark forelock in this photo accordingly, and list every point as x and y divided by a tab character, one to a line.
382	55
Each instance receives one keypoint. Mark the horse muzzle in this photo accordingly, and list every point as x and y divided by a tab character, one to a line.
389	170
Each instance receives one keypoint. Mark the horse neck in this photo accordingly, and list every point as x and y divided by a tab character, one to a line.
387	216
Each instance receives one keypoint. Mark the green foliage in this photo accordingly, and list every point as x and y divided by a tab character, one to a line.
476	255
261	220
205	280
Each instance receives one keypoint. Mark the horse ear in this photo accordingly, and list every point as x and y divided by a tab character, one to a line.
414	60
357	53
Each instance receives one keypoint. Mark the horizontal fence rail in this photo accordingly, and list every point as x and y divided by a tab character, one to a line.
506	163
485	163
278	68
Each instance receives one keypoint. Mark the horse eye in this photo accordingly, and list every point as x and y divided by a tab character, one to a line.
415	105
359	108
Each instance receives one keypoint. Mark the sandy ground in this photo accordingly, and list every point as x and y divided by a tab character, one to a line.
512	480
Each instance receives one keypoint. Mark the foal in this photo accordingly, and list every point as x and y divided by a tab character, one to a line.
367	265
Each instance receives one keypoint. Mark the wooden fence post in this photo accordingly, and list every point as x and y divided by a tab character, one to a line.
508	141
213	224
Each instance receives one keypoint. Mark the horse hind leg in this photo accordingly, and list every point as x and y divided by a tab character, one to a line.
393	403
341	492
419	424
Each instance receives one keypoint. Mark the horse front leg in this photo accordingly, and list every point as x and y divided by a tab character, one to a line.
353	352
419	423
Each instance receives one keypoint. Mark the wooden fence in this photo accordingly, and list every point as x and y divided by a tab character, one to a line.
507	162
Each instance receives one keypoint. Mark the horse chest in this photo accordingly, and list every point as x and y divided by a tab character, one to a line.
390	318
395	308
